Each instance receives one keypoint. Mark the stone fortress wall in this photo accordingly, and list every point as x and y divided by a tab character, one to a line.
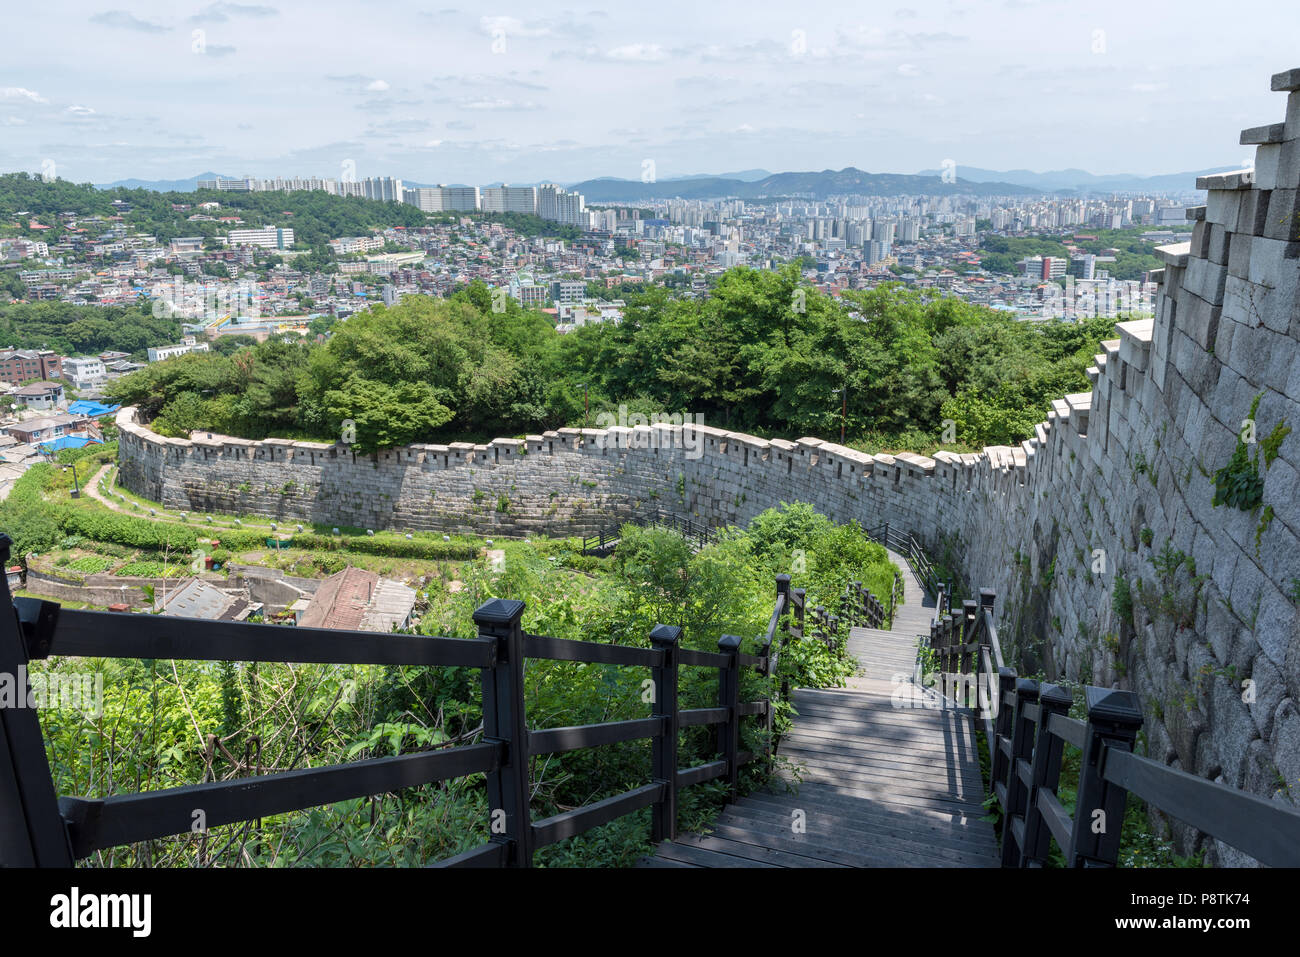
1113	479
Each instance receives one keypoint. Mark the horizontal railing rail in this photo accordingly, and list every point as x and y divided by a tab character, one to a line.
608	535
1027	726
39	828
907	545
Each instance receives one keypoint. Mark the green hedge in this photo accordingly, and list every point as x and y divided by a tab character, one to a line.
389	546
104	526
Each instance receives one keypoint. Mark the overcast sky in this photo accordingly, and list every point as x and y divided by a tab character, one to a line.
523	92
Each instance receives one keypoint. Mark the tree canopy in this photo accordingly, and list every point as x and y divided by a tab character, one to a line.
760	354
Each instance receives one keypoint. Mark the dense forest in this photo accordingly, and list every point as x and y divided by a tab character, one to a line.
79	330
753	356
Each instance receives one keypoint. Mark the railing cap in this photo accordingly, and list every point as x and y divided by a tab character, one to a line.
1027	689
1054	696
665	634
499	611
1113	706
729	643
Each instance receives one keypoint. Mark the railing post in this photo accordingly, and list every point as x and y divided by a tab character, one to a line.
1022	749
1052	699
504	721
663	817
729	698
1002	725
32	832
783	590
798	596
1113	720
970	623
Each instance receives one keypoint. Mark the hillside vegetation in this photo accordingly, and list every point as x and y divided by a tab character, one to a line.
167	724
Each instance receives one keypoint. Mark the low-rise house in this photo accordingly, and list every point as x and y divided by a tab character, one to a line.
40	395
84	371
186	345
45	428
199	599
359	600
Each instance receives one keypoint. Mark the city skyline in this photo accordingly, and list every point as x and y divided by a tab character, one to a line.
547	92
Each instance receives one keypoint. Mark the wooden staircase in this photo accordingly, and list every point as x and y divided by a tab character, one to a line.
873	780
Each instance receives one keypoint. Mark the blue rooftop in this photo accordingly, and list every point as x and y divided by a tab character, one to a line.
86	407
67	442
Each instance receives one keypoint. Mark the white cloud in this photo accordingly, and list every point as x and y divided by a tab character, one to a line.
513	27
908	69
221	12
376	86
22	93
497	103
80	110
644	52
122	20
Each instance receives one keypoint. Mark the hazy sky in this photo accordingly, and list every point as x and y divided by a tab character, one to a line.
543	90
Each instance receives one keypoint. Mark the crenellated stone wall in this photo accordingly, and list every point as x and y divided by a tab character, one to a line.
1113	488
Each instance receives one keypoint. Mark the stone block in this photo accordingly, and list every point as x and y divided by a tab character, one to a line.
1281	221
1288	165
1258	135
1253	212
1285	744
1268	159
1275	263
1223	207
1239	255
1199	247
1237	179
1216	244
1287	80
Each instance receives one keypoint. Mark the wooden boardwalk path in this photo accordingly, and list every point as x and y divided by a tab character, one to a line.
874	785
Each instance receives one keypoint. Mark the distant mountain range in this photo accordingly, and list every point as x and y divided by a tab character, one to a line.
819	184
162	185
758	183
1078	180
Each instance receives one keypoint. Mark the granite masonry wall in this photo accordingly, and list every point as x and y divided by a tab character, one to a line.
1114	488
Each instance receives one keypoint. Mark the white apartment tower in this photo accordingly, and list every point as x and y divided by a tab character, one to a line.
509	199
559	205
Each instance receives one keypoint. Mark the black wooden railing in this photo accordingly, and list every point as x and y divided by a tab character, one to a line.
857	607
1026	724
603	541
906	544
39	828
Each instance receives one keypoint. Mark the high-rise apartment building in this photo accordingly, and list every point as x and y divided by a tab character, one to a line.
509	199
242	185
561	206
